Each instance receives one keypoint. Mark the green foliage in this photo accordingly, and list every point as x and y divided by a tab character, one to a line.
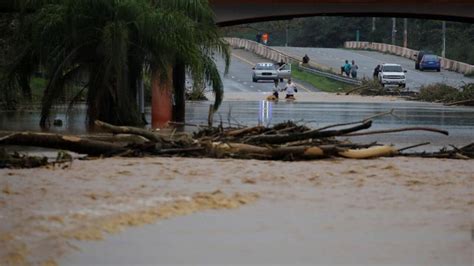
321	83
372	87
108	44
469	75
466	92
438	92
37	87
446	94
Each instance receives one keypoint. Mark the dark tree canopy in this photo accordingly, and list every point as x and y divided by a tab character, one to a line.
107	46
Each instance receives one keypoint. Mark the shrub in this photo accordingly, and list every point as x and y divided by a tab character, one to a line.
438	92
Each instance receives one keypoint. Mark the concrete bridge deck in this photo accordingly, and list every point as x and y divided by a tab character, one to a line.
230	12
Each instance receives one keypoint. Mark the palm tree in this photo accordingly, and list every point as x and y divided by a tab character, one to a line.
110	43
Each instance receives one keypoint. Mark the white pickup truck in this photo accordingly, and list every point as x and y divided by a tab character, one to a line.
392	74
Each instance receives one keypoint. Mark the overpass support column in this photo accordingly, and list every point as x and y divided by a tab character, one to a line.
161	98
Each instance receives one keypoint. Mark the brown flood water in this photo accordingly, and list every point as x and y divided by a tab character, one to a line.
357	212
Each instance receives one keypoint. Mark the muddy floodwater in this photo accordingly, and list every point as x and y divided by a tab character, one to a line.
408	211
459	121
129	211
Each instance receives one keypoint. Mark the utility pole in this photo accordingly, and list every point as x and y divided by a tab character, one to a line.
405	32
443	52
287	30
394	30
373	24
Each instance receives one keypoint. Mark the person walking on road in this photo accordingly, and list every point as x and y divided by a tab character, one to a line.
376	72
282	63
305	59
354	68
347	68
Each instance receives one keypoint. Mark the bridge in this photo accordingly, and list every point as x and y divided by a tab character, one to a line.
233	12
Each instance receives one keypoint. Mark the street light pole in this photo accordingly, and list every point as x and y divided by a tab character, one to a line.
443	52
394	30
405	32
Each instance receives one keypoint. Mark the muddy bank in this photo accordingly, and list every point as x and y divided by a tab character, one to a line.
42	210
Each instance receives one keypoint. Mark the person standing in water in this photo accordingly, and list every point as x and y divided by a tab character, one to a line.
290	89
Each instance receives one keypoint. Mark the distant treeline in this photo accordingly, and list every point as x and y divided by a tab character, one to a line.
334	31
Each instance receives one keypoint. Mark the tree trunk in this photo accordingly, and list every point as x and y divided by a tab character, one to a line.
179	83
161	98
24	82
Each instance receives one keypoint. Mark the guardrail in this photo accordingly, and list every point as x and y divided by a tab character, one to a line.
331	76
446	63
277	56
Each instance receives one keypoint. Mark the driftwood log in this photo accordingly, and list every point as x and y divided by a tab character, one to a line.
62	142
130	130
295	152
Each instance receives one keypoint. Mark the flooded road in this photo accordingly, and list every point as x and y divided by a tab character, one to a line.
459	121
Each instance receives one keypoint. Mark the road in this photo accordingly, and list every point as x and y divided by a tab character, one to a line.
367	60
239	78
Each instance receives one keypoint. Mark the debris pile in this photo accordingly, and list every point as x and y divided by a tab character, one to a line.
374	88
448	95
284	141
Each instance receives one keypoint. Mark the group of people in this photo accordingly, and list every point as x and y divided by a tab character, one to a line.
349	70
289	88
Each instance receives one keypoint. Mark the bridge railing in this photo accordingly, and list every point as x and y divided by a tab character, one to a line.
260	49
277	56
446	63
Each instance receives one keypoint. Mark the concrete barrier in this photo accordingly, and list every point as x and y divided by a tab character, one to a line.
446	63
260	49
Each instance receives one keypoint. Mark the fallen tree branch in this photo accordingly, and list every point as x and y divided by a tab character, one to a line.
414	146
179	150
63	142
311	134
372	152
300	152
359	122
374	132
460	102
356	89
243	131
130	130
